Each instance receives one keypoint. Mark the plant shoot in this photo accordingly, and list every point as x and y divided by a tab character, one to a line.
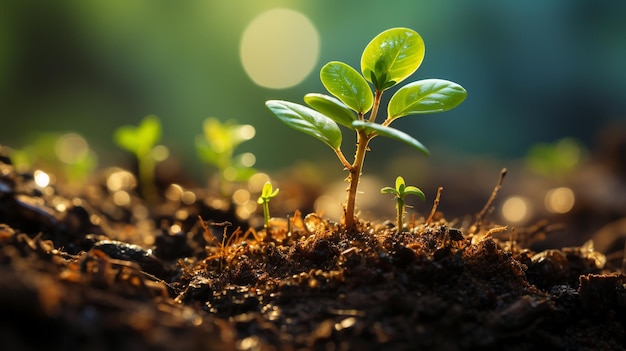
217	146
400	192
391	57
266	195
141	141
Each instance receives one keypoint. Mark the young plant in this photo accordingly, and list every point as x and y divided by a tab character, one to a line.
266	195
217	145
388	59
68	154
400	192
141	141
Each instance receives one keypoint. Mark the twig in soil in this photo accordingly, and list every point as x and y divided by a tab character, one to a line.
481	215
435	204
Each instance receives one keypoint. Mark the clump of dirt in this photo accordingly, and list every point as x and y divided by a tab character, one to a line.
84	273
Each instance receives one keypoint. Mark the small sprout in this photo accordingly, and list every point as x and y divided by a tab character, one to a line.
68	154
141	141
266	194
217	145
555	160
388	59
400	192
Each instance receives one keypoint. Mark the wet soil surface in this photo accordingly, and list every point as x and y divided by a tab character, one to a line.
82	272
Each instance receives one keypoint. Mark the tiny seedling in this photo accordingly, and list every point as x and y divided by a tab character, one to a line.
400	192
67	153
217	145
140	141
388	59
266	195
555	160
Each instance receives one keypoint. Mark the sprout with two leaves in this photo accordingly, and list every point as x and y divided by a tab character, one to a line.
216	146
400	192
142	141
267	194
388	59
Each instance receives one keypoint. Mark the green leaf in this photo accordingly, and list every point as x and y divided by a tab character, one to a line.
267	193
391	133
425	96
347	85
400	185
225	137
392	56
389	190
308	121
140	139
411	190
332	108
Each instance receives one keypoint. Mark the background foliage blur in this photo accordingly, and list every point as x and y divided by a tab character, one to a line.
534	71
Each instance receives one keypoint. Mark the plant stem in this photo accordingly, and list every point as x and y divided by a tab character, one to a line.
400	214
343	160
266	214
146	165
377	95
355	174
363	139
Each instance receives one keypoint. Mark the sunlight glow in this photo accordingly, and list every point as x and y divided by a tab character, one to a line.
279	48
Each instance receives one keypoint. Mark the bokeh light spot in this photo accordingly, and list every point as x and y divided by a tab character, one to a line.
560	200
160	153
120	180
188	197
247	132
241	196
248	159
71	148
42	179
121	198
256	182
516	209
279	48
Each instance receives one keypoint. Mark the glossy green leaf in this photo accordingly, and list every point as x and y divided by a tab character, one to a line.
400	185
425	96
268	192
411	190
392	56
307	120
139	139
391	133
345	83
332	108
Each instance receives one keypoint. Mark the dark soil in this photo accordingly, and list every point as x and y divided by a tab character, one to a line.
81	273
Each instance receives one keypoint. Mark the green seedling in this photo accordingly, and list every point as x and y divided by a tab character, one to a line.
555	160
387	60
141	141
68	154
216	147
266	195
400	192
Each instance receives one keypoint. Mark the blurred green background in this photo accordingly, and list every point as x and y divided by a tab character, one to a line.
534	71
